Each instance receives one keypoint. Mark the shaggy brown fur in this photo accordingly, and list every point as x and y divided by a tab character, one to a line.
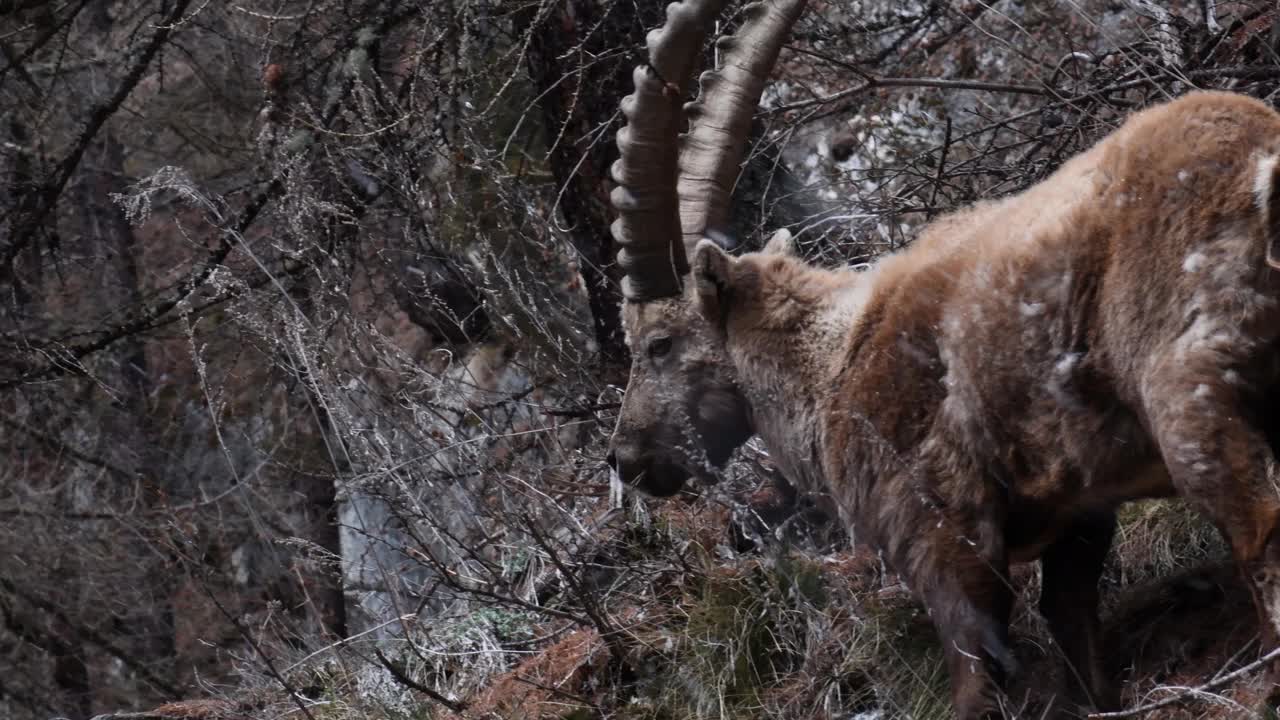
991	393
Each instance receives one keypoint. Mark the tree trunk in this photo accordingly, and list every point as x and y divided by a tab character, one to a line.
137	429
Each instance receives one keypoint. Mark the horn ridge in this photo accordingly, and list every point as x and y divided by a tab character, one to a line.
712	150
651	252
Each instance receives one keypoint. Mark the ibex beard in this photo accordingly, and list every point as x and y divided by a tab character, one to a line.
991	393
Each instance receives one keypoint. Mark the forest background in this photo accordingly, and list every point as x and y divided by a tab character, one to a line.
310	348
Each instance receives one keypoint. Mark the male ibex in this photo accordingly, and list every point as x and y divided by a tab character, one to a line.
991	393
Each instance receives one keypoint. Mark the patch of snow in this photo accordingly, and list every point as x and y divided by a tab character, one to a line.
1262	178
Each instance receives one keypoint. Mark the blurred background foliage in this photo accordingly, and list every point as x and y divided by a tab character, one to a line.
309	349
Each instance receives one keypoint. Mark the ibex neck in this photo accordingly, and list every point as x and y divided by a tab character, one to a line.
787	369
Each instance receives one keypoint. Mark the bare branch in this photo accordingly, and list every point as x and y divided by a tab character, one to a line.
1186	694
37	204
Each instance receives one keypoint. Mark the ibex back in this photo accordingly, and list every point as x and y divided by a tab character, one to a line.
994	391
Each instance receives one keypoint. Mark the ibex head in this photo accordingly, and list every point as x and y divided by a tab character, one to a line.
684	413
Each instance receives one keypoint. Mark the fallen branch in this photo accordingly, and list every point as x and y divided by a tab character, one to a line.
1192	692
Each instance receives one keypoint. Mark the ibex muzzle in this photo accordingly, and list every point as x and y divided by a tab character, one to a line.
683	414
989	394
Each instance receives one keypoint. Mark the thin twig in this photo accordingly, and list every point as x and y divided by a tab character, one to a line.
584	411
608	632
30	219
135	664
1240	71
350	639
1191	692
572	697
57	445
876	82
942	163
403	678
266	659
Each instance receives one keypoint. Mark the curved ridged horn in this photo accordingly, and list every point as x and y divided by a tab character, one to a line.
720	119
647	230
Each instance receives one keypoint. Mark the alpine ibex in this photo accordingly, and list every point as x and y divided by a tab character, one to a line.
992	392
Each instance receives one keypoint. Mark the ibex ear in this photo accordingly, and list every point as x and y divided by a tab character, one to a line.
712	276
780	243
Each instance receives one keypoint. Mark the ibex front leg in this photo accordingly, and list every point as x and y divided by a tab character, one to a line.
1218	456
957	563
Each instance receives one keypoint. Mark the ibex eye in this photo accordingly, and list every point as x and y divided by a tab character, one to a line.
659	347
